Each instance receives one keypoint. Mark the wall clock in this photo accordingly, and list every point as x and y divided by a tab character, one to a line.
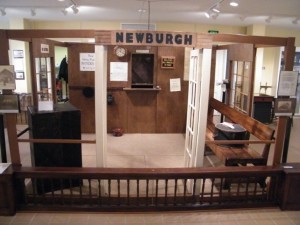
120	51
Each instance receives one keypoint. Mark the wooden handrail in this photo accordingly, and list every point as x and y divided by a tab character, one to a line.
220	142
59	141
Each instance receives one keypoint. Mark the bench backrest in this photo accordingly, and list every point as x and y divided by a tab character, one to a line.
256	128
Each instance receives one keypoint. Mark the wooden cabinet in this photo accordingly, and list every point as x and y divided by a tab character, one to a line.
263	108
289	188
61	123
7	202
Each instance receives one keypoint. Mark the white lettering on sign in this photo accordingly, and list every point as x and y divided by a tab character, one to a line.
87	61
44	48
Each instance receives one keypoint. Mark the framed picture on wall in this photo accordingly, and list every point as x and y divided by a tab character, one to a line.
284	106
20	75
7	77
9	103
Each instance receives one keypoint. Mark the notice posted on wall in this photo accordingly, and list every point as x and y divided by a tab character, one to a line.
175	85
87	61
287	83
3	167
118	71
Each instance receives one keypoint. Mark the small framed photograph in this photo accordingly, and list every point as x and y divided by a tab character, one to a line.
9	103
7	77
20	75
284	106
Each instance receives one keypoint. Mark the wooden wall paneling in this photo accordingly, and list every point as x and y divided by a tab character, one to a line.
117	112
141	111
134	111
171	106
79	80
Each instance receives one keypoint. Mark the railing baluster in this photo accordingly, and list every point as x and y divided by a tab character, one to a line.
90	189
212	190
184	191
156	192
34	183
71	190
238	187
166	191
194	190
221	190
147	192
138	191
119	194
109	191
99	192
62	191
128	191
202	191
175	191
52	191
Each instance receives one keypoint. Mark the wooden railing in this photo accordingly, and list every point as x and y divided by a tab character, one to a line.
144	189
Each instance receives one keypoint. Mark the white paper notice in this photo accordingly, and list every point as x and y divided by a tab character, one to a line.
175	85
287	83
3	167
118	71
87	61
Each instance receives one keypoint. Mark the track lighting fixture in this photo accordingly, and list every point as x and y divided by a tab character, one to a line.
75	9
207	14
214	10
268	20
234	3
33	12
2	11
296	20
64	11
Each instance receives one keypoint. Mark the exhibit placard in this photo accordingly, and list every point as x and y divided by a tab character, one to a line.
287	83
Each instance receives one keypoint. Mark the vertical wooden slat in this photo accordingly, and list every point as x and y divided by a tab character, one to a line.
147	192
166	191
175	191
128	191
212	190
138	191
99	192
119	194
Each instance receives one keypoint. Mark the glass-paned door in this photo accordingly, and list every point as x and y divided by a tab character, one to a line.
44	88
240	85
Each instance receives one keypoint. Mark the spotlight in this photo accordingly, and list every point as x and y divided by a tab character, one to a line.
33	12
268	20
295	21
234	3
207	14
216	8
75	9
2	11
64	11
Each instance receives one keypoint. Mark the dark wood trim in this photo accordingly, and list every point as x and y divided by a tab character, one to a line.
17	34
259	40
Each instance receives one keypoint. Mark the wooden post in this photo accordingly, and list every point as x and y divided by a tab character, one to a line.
284	122
10	119
279	141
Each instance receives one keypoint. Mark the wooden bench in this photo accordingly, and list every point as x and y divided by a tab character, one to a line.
243	154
